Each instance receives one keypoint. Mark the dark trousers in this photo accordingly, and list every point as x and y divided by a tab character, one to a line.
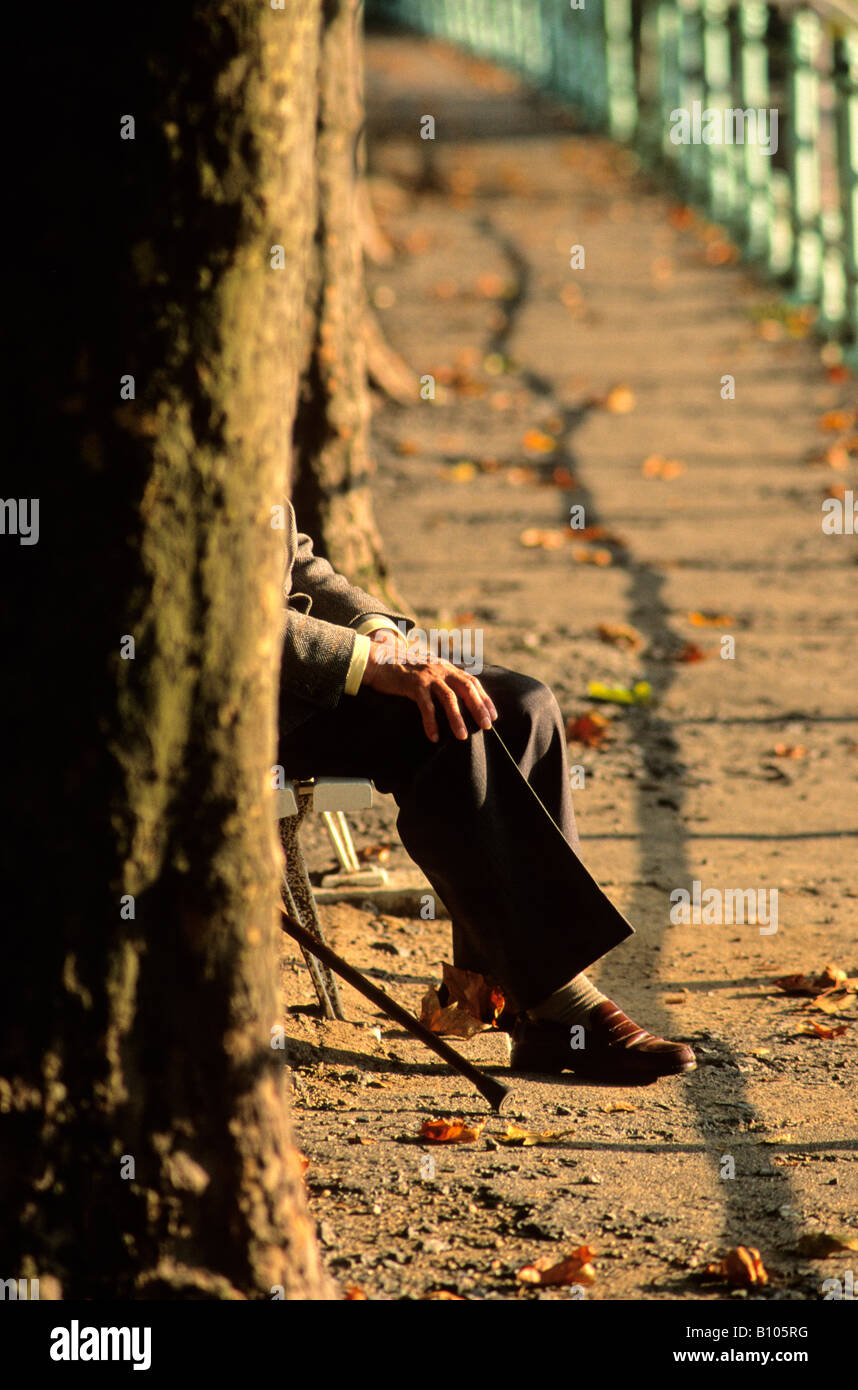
489	821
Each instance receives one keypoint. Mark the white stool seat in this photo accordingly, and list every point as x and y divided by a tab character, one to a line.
328	793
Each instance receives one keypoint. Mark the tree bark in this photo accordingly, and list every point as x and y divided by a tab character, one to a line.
333	468
147	1150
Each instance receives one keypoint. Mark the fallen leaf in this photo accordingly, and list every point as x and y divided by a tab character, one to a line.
620	635
806	983
379	853
407	446
619	400
819	1030
352	1294
837	420
461	472
516	1137
588	555
535	539
538	442
304	1161
492	286
832	1001
617	1106
590	729
574	1268
838	373
776	1139
657	467
820	1245
788	750
561	477
438	1294
473	992
704	619
596	533
466	1003
519	477
640	693
740	1266
691	652
451	1131
676	998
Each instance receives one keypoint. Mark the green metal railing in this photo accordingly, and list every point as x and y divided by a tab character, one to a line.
660	74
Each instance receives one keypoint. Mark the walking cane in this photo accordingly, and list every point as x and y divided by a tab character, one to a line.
494	1091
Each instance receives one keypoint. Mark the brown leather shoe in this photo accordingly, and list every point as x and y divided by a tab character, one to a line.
614	1048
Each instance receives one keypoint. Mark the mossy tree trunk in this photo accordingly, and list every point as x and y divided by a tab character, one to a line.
332	463
146	1143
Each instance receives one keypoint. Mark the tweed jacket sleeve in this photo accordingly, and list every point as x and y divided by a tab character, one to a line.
318	645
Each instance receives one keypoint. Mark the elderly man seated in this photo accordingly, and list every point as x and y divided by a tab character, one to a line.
478	770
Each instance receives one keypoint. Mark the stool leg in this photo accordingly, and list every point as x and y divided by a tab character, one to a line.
348	842
335	837
298	897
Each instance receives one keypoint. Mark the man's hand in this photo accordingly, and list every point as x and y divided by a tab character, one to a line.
396	667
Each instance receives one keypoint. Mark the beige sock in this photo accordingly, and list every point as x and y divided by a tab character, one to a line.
570	1004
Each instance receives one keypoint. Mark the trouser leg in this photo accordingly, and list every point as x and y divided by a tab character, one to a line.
490	823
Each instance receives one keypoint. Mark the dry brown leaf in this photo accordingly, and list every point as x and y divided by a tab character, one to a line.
353	1294
832	1001
378	854
451	1131
538	442
462	472
303	1160
788	750
574	1268
449	1021
465	1004
473	992
561	477
619	400
820	1030
620	635
619	1106
829	976
704	619
591	555
837	420
596	533
657	467
676	998
438	1294
690	652
520	477
407	446
535	539
741	1266
592	730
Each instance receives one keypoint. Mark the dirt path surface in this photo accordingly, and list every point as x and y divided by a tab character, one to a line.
553	387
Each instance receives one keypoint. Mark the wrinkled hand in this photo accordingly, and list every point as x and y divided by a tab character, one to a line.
398	667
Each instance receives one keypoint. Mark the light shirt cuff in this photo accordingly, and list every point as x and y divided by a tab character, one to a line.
374	622
357	665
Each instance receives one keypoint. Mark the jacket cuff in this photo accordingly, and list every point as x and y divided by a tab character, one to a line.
357	665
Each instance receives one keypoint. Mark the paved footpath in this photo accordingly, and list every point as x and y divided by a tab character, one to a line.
603	387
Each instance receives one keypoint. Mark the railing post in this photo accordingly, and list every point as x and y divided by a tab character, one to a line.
693	158
755	94
669	85
718	94
620	70
846	88
804	156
